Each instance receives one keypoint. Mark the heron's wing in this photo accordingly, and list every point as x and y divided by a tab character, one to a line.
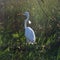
29	33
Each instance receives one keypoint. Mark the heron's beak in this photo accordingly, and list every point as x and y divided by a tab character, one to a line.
19	14
24	14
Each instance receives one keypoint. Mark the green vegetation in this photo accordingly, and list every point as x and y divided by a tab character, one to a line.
45	17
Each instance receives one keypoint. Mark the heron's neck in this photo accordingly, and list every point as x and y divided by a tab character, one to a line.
26	22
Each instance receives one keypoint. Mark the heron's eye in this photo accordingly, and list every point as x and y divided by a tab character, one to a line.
29	22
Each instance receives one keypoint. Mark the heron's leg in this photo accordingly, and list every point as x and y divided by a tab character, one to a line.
27	41
33	42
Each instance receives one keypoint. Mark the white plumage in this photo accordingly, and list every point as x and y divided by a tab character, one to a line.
29	32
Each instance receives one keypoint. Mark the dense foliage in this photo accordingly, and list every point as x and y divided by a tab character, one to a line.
45	17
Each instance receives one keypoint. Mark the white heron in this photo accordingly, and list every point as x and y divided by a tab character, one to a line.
29	32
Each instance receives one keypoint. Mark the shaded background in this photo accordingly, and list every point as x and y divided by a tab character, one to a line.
45	17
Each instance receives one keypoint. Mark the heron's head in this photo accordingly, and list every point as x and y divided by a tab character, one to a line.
26	14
